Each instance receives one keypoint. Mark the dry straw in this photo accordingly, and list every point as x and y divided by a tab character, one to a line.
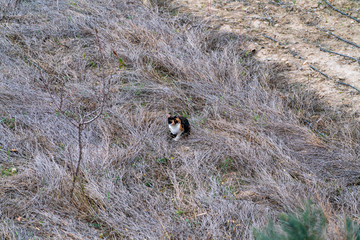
249	156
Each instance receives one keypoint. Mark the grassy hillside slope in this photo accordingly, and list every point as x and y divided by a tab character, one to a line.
249	157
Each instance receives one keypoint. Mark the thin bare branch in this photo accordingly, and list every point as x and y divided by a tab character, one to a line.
80	152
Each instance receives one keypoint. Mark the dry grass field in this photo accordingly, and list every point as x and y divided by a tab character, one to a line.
254	151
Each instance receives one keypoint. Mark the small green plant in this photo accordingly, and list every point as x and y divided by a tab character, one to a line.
352	230
61	146
184	114
9	122
225	166
149	184
188	99
121	63
90	62
306	224
179	212
117	179
74	3
139	90
221	98
259	118
162	161
7	171
256	117
203	120
269	233
96	225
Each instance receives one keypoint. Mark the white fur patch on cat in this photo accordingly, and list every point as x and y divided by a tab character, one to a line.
175	129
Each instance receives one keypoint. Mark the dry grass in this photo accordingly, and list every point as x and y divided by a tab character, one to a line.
249	156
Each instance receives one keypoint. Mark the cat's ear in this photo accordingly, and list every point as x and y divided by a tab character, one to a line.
168	115
179	115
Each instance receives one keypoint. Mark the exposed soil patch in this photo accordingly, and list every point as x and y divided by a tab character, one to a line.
296	26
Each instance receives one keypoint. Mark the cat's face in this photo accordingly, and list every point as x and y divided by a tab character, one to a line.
173	120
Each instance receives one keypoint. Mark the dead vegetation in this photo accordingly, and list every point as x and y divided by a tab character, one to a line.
250	155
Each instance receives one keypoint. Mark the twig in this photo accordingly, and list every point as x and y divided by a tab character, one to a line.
337	10
71	162
352	58
59	105
162	225
81	124
99	44
103	100
80	128
340	38
201	214
342	83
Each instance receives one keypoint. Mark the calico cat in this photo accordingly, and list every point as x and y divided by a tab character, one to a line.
178	126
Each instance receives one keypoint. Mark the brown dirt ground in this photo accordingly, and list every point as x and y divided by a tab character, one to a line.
294	24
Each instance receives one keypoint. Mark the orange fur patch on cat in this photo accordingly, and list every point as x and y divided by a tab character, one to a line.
181	124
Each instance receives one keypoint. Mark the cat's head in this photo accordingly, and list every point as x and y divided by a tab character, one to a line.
173	120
